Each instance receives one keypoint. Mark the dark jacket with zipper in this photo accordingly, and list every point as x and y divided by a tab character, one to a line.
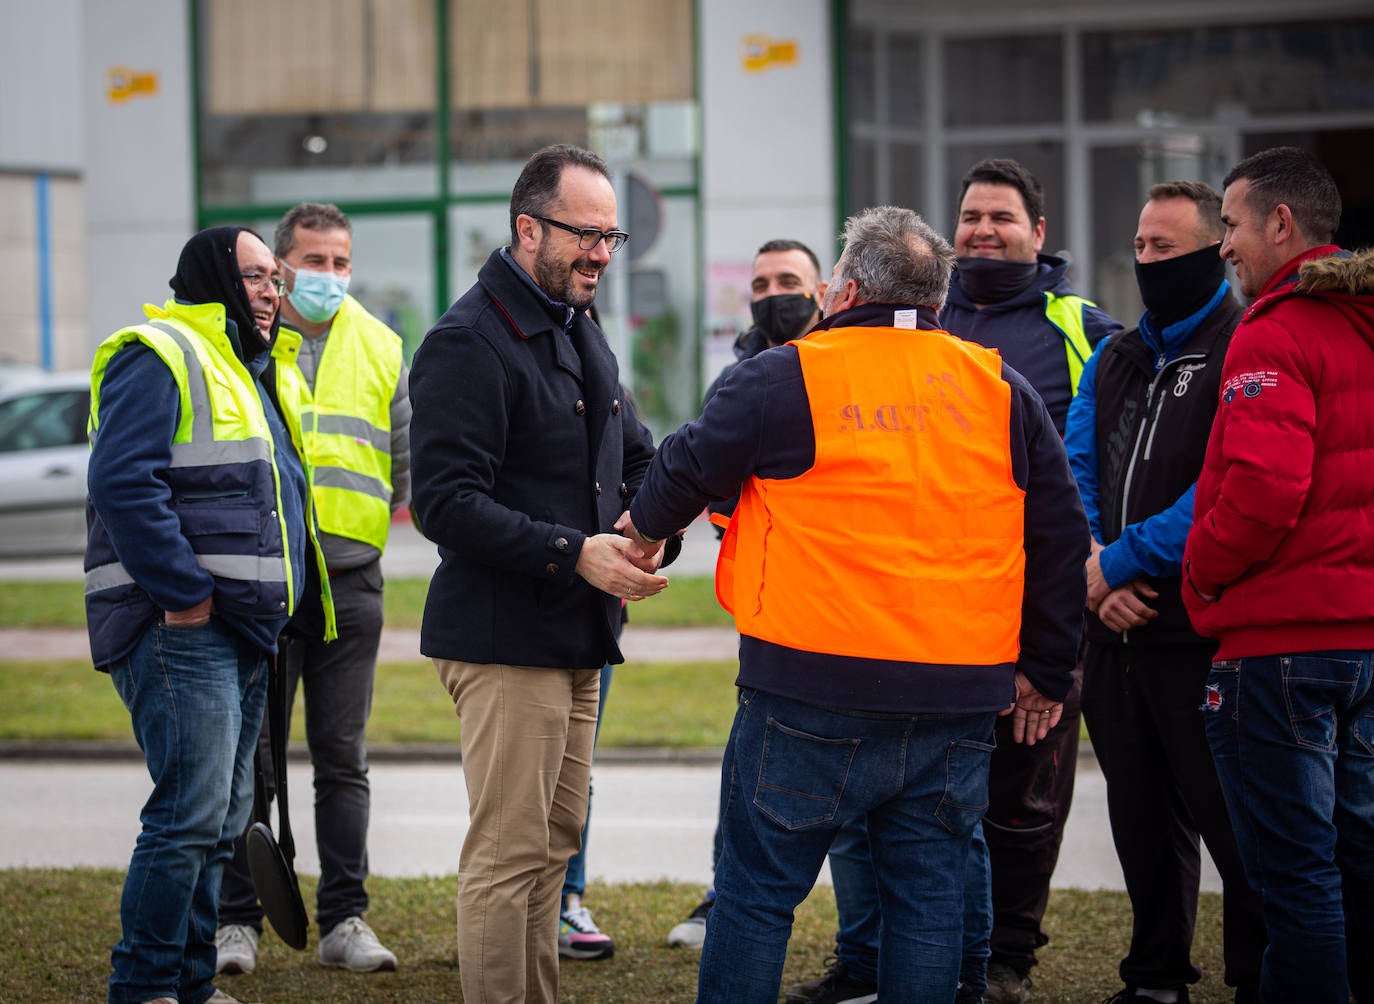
522	445
1136	443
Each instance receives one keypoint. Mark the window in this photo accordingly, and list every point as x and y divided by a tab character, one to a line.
1007	80
1218	72
44	420
297	96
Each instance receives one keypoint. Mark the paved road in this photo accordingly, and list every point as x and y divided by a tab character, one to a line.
649	821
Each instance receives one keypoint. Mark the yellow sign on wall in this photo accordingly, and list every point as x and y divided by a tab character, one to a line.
124	83
759	53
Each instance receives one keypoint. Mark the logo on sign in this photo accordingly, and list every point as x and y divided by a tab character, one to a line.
124	83
759	53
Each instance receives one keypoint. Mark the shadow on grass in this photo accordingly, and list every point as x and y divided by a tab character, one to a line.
61	924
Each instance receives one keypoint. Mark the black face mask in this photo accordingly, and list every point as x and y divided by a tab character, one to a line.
994	280
1179	287
783	317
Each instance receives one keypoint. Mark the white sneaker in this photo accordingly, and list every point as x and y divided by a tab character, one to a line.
691	933
352	945
220	997
236	949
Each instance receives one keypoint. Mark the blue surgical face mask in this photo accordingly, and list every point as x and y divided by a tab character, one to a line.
317	296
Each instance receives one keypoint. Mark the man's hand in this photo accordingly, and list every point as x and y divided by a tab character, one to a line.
613	564
645	555
194	617
1125	607
1097	585
1032	715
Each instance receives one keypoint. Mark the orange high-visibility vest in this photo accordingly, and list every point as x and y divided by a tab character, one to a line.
905	540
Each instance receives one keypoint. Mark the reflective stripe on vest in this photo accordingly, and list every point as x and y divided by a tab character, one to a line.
345	424
1066	314
203	449
904	541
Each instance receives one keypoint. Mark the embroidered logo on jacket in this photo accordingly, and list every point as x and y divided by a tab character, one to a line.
1249	384
1185	377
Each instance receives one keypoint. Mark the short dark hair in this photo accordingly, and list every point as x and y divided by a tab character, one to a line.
896	257
308	216
1202	195
783	244
537	186
1287	175
1005	171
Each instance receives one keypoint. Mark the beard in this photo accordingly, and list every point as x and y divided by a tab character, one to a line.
557	278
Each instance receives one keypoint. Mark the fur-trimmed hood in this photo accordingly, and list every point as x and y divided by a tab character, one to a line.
1329	275
1351	274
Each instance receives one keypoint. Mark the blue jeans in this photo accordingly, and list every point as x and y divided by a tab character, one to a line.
798	773
575	880
1293	741
856	896
338	678
195	697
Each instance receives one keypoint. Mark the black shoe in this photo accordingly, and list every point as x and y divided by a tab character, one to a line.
967	995
1128	995
835	987
1006	985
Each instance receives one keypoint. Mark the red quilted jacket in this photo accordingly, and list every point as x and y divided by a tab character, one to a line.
1281	554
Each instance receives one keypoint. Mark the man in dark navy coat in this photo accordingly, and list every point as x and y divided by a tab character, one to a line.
524	455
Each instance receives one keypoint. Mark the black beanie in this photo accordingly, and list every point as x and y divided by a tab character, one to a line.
208	272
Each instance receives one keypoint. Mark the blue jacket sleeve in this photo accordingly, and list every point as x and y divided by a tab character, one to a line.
1080	439
138	416
1154	546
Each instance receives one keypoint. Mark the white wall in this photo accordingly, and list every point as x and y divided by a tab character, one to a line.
767	157
41	151
140	206
40	78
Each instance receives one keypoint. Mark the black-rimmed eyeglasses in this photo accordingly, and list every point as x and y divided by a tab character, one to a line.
588	236
258	282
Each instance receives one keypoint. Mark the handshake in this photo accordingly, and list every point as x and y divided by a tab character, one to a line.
623	564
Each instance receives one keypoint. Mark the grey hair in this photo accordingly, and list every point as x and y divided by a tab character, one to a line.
307	216
894	256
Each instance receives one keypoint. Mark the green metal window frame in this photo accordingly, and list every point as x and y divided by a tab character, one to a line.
436	208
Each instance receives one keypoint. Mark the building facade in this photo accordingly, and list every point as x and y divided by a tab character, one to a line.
124	127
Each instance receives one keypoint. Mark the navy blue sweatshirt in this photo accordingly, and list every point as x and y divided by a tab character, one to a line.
759	423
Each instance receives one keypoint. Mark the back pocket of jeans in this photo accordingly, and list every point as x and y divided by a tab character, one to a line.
801	776
966	785
1313	687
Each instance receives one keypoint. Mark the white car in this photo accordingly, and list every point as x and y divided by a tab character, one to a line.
43	458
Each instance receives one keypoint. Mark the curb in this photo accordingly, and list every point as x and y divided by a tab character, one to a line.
79	751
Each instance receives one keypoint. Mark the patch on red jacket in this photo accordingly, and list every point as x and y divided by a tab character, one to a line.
1249	384
1211	698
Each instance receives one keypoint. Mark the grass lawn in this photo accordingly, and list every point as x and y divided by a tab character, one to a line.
60	926
658	704
685	705
689	602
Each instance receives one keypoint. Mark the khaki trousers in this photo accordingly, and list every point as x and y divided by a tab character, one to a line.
527	747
